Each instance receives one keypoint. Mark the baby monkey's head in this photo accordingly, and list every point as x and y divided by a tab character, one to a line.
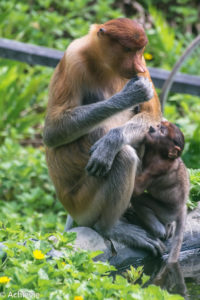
166	139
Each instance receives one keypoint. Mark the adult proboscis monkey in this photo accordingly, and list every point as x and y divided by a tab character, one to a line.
93	125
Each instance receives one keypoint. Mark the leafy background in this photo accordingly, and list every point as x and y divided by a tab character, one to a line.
27	197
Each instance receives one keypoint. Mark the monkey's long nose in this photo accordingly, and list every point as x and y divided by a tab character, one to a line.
151	129
138	62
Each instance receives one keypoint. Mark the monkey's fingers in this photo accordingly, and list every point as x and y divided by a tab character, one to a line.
91	167
132	80
94	167
146	88
101	171
97	168
93	148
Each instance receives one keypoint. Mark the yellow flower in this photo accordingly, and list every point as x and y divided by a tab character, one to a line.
41	148
78	298
63	263
35	25
38	254
4	279
148	56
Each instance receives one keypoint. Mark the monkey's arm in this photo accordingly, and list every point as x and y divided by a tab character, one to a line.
104	150
79	121
142	182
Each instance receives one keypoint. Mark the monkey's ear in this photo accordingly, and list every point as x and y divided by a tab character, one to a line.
174	152
101	31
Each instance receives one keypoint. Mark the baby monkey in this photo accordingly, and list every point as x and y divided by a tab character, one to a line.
165	178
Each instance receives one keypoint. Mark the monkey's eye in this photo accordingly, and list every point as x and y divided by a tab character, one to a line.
101	31
128	49
175	142
163	129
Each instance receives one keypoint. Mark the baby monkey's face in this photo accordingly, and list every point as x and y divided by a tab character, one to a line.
158	134
166	138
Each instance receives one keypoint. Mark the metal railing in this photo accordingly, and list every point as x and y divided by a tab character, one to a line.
37	55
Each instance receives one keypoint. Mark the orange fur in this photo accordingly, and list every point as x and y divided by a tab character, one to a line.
133	37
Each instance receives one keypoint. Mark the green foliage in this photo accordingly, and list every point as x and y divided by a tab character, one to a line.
133	275
29	209
181	14
73	274
52	23
26	192
184	110
166	46
195	187
158	36
23	91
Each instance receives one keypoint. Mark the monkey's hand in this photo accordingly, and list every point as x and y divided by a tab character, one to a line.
137	90
103	153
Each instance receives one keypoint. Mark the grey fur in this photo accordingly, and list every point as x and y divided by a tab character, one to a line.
81	120
104	151
135	236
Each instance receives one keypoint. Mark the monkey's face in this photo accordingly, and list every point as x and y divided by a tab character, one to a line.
123	41
132	63
167	139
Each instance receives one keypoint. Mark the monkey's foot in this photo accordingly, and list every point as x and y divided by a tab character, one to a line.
135	236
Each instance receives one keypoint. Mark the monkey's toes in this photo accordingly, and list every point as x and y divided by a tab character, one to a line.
159	232
156	246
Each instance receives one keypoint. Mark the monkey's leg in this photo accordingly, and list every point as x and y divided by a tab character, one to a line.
135	236
115	195
147	210
178	236
100	201
116	191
